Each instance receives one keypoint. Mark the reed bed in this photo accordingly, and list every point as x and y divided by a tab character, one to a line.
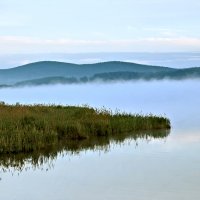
31	128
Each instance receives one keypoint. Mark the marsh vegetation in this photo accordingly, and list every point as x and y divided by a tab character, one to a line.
31	128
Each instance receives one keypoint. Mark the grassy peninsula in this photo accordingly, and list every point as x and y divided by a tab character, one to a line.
32	128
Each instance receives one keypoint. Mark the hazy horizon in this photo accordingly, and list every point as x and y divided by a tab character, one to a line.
174	60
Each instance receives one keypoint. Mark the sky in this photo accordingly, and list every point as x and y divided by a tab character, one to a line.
79	26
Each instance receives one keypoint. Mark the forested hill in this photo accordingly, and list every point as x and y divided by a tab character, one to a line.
50	72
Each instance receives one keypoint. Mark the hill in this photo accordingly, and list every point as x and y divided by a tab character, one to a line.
46	69
50	72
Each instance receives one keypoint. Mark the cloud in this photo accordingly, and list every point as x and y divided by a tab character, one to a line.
15	44
166	32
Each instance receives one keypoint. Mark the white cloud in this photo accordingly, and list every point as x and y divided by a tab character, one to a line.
13	44
165	31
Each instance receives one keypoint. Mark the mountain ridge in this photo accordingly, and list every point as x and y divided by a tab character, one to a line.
52	72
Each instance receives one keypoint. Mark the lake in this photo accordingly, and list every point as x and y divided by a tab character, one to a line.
143	169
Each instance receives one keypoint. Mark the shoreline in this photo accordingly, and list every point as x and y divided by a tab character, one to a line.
31	128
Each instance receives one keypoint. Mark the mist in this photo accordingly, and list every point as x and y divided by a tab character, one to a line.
178	100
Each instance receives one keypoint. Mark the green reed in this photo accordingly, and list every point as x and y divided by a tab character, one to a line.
31	128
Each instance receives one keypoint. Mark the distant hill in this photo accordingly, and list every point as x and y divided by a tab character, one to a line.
50	72
45	69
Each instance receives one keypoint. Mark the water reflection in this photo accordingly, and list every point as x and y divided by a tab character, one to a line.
35	160
165	168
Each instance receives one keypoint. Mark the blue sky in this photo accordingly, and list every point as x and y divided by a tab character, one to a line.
72	26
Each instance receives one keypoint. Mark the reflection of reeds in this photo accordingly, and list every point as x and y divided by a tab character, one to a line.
45	157
32	128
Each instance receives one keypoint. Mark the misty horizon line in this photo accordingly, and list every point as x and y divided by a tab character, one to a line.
93	63
167	59
80	64
55	72
101	52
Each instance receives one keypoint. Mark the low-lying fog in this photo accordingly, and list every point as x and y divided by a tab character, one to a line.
178	100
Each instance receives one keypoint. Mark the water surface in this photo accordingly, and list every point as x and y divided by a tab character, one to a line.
153	169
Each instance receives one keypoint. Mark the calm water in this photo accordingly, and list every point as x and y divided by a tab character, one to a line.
154	169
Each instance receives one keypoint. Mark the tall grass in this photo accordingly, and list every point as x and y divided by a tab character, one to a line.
31	128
